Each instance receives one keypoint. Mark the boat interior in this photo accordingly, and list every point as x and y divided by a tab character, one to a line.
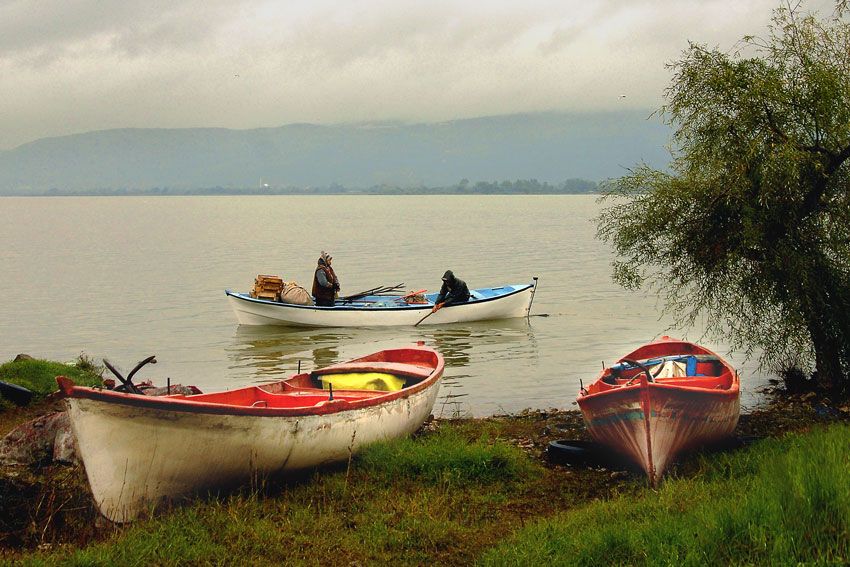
384	301
689	370
349	382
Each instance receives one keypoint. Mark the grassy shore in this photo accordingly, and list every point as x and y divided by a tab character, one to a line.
481	491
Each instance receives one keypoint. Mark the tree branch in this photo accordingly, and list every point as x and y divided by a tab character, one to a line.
814	149
837	160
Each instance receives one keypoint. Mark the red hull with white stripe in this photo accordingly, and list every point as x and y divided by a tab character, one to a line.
693	399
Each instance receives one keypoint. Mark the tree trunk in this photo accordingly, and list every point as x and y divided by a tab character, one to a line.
828	326
828	352
828	366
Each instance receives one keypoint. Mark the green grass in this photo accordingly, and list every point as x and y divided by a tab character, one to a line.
783	502
457	496
39	376
447	459
407	501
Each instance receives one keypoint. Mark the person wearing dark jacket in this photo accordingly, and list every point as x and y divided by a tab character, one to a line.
453	291
325	282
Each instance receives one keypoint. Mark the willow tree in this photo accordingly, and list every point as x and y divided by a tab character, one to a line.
749	228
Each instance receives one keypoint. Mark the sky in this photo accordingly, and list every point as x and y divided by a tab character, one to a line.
81	65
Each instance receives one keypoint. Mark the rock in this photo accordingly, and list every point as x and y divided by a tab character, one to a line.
22	356
64	449
45	438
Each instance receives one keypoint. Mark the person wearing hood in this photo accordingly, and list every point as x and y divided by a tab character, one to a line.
453	291
325	282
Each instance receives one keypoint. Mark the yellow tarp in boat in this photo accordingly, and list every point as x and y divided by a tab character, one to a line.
363	381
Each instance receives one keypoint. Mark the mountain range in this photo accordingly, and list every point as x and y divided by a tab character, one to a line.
548	147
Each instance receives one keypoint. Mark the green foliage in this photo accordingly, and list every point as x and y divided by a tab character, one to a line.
781	502
39	376
751	226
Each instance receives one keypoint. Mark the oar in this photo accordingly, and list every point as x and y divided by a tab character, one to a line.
411	294
390	289
374	291
359	294
425	317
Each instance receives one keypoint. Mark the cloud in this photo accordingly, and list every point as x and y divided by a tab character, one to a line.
86	64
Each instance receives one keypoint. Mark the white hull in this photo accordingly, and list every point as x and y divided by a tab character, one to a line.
140	451
136	458
260	312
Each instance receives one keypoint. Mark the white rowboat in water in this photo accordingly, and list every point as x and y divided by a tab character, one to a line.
484	304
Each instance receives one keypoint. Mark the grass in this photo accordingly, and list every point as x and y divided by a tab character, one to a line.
39	376
782	502
463	493
446	459
409	501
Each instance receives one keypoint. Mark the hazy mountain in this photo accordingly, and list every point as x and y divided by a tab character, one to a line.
547	147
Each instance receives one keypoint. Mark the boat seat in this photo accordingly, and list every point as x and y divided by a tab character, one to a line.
397	368
708	382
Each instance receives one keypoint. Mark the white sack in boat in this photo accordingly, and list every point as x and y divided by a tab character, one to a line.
295	294
670	369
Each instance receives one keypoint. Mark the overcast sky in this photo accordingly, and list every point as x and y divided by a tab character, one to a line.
78	65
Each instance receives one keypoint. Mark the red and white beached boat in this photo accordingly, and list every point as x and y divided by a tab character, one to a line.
663	398
141	450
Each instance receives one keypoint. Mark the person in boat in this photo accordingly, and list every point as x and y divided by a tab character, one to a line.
325	282
453	291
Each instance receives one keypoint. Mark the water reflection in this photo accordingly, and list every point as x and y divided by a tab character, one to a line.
453	344
475	353
271	353
509	339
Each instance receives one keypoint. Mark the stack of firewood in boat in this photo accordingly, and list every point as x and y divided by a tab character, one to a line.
267	287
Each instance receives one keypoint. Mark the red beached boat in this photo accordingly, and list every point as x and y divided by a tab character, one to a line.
663	398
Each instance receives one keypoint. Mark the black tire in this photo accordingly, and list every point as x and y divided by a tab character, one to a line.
572	452
732	443
583	453
18	395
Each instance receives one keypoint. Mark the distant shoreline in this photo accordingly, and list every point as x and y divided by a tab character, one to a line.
274	193
518	187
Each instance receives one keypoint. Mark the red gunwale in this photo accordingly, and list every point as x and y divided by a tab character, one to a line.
665	346
721	387
414	357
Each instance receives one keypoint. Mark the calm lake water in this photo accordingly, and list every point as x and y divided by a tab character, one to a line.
122	278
